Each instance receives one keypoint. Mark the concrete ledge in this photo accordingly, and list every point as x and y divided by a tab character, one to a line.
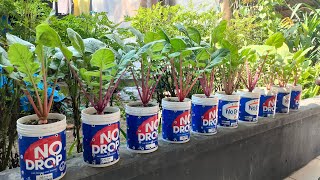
270	149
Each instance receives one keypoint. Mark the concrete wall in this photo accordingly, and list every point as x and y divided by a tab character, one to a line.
271	149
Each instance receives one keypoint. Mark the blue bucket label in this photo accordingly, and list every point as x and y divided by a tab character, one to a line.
248	110
267	106
101	143
204	118
142	132
176	125
283	102
228	113
295	100
42	157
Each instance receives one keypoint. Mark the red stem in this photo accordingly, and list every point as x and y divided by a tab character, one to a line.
51	96
156	84
175	81
137	85
180	79
257	75
100	103
36	110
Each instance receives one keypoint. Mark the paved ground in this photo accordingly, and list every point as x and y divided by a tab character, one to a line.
311	171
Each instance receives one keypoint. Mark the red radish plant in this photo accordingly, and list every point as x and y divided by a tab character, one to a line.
207	78
190	61
270	72
255	57
231	68
31	67
151	67
101	77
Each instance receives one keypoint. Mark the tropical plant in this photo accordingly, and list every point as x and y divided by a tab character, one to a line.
10	111
306	80
275	57
86	25
255	58
151	63
31	67
20	17
214	58
302	30
165	17
188	60
101	77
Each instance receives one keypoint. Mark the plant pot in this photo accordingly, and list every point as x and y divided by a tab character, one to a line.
267	107
176	120
42	148
228	110
142	127
249	106
295	97
283	99
204	114
101	137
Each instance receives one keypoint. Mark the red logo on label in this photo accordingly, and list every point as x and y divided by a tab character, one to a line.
182	119
209	117
210	114
105	135
182	123
149	125
43	148
297	98
269	102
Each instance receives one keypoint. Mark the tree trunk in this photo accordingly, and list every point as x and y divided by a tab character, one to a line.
226	9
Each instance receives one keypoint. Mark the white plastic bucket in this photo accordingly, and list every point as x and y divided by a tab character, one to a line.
176	120
249	106
42	145
295	97
204	117
142	127
267	107
228	109
101	137
283	99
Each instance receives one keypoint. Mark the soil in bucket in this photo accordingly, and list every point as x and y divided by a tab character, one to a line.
36	121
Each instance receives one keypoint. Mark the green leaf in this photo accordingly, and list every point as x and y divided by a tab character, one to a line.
178	44
92	45
20	56
83	75
76	40
181	28
4	60
299	56
137	33
218	32
12	39
158	46
103	59
217	56
276	40
163	35
173	55
203	55
47	36
194	34
66	52
151	36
